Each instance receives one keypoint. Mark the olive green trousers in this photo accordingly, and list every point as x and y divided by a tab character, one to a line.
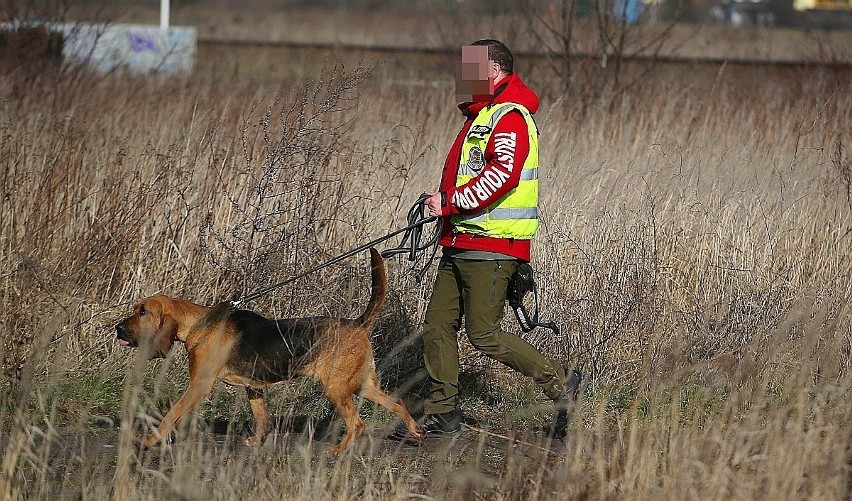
476	290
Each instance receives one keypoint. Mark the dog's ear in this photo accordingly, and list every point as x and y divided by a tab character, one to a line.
165	337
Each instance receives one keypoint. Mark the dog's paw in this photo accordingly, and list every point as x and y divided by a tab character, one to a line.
413	439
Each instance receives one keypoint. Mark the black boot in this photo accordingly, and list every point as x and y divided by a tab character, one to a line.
564	404
446	424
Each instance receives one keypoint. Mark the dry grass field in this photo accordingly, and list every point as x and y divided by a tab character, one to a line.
696	249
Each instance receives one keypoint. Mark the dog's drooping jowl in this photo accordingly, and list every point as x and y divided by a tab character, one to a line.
245	349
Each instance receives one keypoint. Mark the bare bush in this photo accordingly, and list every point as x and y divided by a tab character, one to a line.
593	67
284	202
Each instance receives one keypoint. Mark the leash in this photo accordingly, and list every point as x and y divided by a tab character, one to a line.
511	440
416	214
413	231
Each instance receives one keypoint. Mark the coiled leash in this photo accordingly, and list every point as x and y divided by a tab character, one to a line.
521	283
412	233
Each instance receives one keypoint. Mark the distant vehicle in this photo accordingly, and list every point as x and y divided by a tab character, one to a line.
628	10
827	14
836	5
747	13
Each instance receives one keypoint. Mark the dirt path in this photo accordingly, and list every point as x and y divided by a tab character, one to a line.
93	454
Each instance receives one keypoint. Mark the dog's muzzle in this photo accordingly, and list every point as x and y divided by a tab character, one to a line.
122	335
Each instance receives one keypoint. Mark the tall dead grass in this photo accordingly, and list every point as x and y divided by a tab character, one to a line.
695	249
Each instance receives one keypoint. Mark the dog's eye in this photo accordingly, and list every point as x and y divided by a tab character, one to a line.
142	310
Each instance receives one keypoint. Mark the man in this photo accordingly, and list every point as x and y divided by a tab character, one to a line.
488	198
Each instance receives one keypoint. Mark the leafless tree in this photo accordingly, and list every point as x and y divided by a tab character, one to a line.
556	25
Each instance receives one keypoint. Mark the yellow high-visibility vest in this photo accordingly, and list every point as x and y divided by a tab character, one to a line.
515	215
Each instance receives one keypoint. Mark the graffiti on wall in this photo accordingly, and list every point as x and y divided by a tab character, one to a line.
132	47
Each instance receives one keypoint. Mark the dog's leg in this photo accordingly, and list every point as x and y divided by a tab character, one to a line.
261	417
371	391
194	394
204	366
345	405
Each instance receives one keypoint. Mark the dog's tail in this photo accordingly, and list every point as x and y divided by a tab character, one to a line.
380	291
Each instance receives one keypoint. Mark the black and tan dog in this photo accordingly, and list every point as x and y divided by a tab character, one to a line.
244	349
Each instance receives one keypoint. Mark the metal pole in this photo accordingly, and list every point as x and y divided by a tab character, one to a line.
164	14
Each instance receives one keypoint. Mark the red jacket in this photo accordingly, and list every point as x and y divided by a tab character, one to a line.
511	90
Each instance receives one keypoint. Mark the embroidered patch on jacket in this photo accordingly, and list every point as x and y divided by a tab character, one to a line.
475	160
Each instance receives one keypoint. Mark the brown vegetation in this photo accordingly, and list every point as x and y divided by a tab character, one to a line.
695	248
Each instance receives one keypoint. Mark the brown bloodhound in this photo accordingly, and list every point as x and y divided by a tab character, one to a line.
245	349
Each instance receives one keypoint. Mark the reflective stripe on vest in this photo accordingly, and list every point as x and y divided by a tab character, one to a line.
509	213
515	214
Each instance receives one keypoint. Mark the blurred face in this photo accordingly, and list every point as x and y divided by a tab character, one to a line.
475	74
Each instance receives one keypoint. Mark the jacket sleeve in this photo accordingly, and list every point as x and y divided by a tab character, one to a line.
505	155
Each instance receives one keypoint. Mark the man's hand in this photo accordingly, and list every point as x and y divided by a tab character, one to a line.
434	204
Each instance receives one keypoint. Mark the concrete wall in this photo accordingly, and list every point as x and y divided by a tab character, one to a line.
137	48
